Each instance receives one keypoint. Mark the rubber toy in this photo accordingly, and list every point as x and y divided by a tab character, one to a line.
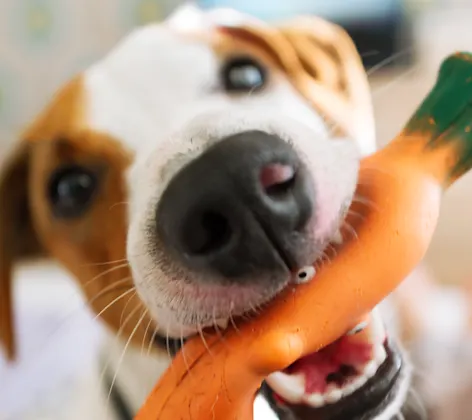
218	378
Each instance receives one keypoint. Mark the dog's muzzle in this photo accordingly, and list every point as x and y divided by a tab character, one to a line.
239	211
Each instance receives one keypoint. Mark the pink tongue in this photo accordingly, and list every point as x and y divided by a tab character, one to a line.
317	366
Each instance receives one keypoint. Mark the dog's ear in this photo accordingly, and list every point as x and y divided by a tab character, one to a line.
17	236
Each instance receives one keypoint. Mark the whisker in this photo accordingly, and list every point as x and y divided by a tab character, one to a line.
423	412
182	343
353	232
169	353
213	414
110	288
88	301
231	319
370	53
251	92
332	249
331	127
73	312
120	203
395	81
202	336
126	305
365	201
215	325
324	258
145	335
233	323
103	273
187	366
400	416
422	374
122	260
388	60
151	341
120	361
117	337
353	213
319	262
253	308
113	302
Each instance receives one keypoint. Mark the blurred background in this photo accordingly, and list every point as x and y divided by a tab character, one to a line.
45	42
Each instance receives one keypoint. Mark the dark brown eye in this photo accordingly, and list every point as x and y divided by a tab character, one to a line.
71	190
243	74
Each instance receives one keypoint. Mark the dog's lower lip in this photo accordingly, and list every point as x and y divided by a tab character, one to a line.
369	398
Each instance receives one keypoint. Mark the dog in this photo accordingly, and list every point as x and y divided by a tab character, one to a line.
205	159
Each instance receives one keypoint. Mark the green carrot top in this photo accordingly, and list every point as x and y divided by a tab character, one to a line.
446	113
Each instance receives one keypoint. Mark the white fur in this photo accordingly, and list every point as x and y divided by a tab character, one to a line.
148	181
128	96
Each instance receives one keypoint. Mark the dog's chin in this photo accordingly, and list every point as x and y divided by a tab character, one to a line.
216	306
194	302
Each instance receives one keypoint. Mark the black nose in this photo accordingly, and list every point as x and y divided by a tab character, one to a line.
239	209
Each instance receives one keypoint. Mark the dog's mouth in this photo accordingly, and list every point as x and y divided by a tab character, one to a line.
350	378
358	374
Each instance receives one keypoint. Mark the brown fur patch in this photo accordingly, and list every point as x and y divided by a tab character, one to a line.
320	60
92	247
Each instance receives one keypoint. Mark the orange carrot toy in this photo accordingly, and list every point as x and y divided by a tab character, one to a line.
404	182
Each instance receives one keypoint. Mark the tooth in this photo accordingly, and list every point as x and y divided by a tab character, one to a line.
370	369
314	400
349	389
222	323
380	354
361	380
290	387
333	395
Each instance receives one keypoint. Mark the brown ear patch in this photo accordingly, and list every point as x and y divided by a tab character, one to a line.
17	237
91	245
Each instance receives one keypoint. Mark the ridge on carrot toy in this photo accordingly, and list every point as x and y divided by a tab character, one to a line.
218	379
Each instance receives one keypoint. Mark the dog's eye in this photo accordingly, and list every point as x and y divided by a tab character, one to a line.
243	74
71	190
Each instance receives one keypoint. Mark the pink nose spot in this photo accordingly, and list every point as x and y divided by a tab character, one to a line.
276	174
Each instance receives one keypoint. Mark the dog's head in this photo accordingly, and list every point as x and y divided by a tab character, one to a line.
193	169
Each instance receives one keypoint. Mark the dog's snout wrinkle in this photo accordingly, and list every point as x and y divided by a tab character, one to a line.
235	210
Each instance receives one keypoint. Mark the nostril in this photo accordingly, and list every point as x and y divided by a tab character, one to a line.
206	232
277	179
